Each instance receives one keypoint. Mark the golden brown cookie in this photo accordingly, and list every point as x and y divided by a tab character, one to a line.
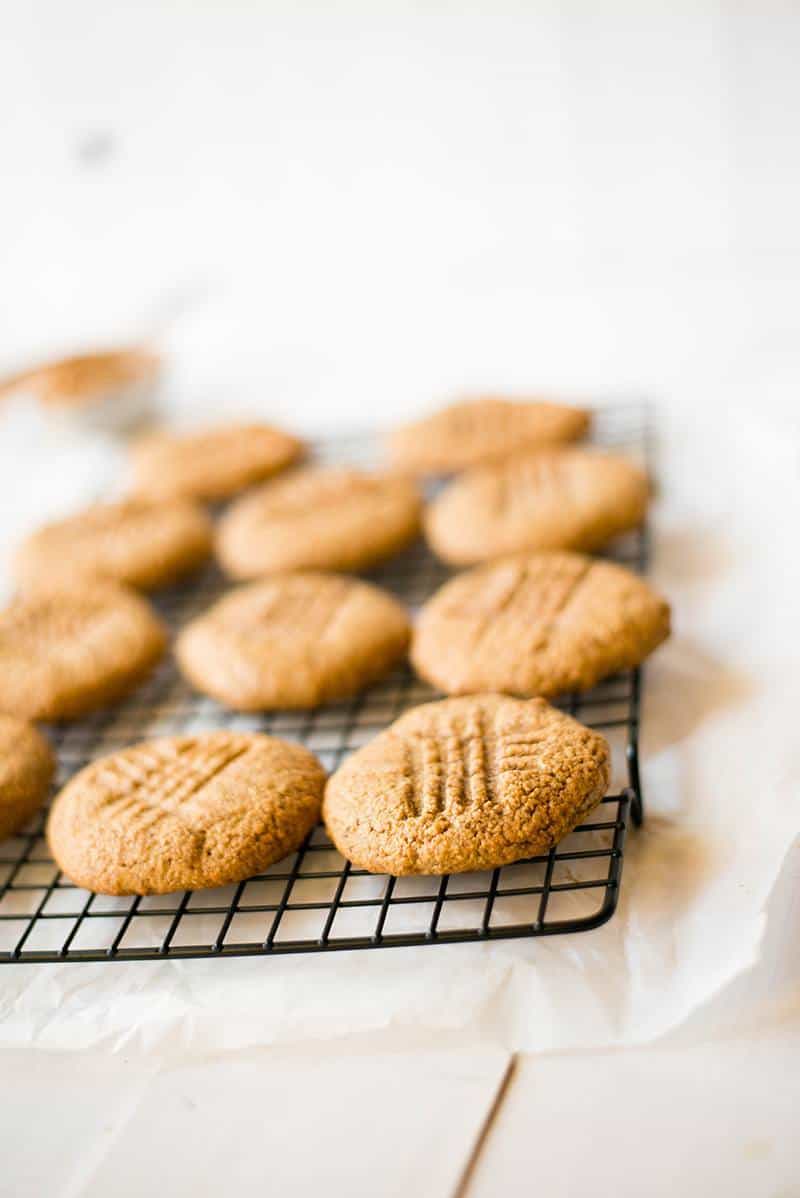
211	464
474	431
465	784
552	499
537	625
26	770
318	519
294	640
112	390
86	378
66	652
185	813
143	544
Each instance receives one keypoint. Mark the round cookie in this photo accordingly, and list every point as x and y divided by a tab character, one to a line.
185	813
211	464
474	431
65	652
143	544
26	770
318	519
537	625
465	784
293	641
553	499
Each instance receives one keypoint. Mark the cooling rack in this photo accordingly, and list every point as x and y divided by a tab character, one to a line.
314	901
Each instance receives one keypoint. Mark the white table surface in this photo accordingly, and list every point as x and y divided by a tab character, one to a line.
337	216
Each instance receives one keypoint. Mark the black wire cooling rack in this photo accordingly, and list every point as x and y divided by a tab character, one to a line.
314	901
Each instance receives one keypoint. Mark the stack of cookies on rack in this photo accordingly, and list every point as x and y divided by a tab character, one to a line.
489	775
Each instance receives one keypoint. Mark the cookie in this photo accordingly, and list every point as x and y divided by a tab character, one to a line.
552	499
26	770
212	464
537	625
465	784
318	519
185	813
143	544
87	378
65	652
294	640
474	431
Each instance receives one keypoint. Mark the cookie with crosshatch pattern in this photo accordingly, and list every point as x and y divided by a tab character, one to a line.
465	784
541	624
143	544
473	431
551	499
185	813
26	770
318	518
293	641
211	463
67	651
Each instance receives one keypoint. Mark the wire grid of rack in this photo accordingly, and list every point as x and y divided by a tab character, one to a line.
314	900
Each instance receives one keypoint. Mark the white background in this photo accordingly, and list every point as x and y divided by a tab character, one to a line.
341	210
338	213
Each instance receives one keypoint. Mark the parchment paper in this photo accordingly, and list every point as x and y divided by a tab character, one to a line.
720	777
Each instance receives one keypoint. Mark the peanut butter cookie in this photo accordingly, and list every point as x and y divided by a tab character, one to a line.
143	544
66	652
184	813
318	519
537	625
465	784
26	770
294	640
212	464
474	431
87	378
552	499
